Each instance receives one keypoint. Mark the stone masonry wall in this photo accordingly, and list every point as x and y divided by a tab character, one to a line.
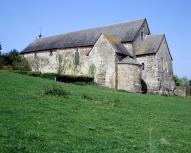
46	62
165	70
103	57
129	77
180	91
129	47
149	73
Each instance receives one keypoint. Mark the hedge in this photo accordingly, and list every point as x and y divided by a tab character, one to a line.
58	77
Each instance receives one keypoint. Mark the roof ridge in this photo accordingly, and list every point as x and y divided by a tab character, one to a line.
152	35
102	26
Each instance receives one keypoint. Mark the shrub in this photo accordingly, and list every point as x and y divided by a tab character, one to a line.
177	80
59	77
51	76
71	78
7	67
20	63
14	59
87	97
55	91
21	72
34	74
3	61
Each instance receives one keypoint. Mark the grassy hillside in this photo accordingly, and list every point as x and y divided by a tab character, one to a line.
89	119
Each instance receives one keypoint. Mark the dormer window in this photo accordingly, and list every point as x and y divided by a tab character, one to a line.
142	36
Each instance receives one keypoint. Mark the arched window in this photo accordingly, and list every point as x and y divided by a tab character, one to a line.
77	57
142	66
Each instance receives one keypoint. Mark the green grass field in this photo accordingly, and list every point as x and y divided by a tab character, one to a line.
90	119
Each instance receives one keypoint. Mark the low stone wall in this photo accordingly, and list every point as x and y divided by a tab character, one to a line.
180	91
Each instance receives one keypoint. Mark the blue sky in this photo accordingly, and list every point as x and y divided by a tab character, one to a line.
20	21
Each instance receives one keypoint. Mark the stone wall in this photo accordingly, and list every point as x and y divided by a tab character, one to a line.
180	91
49	61
149	72
41	61
129	47
103	57
158	71
129	77
164	69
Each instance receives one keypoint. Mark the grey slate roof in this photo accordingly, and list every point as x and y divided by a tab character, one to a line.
126	31
129	60
117	45
150	44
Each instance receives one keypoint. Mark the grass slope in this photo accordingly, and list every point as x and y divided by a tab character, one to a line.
108	121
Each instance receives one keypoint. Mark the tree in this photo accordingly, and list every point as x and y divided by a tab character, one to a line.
13	55
184	81
13	60
21	64
3	61
176	80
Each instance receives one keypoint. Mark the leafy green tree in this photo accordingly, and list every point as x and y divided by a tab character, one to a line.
13	60
3	61
189	82
176	80
13	55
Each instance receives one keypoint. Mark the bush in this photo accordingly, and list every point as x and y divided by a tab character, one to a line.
87	97
21	72
51	76
59	77
177	80
15	60
3	61
21	64
55	91
34	74
71	78
7	67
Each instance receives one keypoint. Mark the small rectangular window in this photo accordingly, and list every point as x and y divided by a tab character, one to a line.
162	64
143	66
77	57
51	53
35	54
142	36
